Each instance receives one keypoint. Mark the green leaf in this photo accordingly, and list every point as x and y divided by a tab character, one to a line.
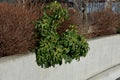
52	48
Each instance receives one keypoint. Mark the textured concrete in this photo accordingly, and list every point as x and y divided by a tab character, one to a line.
112	73
104	53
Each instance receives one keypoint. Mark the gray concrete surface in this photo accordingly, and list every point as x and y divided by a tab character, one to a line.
112	73
104	53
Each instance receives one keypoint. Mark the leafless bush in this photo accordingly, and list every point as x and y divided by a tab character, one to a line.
16	29
103	23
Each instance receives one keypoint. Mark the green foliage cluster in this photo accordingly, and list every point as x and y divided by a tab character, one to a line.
118	30
52	47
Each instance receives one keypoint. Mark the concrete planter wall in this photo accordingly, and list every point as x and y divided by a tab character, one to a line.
103	55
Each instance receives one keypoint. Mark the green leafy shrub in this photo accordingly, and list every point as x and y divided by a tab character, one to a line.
52	47
118	24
